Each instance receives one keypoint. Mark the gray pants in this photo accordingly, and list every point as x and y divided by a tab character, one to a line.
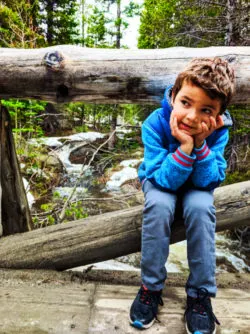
199	216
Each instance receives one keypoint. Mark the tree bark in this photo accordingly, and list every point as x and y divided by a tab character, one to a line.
14	212
231	16
72	73
109	235
118	24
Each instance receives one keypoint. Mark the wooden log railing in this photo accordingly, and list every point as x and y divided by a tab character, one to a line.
109	235
71	73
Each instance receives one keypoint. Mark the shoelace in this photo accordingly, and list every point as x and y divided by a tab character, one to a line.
147	296
202	304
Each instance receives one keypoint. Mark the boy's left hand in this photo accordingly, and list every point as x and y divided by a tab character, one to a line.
207	130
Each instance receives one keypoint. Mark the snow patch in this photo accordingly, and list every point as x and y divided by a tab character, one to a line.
118	178
30	197
130	163
58	141
127	173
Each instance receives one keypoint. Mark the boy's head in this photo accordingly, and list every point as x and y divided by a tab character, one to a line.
213	75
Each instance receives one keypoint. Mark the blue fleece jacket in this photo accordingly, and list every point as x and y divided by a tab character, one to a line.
168	167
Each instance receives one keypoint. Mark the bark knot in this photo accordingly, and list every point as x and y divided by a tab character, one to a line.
54	60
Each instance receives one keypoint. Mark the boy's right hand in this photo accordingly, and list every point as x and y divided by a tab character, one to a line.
187	142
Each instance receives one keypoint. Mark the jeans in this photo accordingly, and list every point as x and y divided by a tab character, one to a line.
198	212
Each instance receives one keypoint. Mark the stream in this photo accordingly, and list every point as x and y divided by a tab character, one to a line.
229	257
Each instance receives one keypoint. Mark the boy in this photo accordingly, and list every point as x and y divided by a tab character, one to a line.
184	142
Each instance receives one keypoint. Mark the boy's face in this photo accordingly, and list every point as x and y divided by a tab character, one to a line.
192	106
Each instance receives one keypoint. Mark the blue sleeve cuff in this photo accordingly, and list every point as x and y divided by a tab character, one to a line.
183	159
202	152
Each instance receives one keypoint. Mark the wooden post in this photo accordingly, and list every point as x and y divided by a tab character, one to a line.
14	209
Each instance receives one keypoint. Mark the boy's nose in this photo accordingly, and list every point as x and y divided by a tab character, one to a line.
192	115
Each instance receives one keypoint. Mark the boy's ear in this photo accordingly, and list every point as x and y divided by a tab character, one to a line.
172	99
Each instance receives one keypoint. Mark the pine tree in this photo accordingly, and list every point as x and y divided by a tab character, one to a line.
18	24
60	21
194	23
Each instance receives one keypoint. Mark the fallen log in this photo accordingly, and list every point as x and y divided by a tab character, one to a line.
107	236
72	73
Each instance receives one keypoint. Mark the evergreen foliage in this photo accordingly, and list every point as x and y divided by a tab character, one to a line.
18	24
59	19
25	116
194	23
104	29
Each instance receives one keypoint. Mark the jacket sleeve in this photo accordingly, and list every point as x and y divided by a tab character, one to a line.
167	170
210	164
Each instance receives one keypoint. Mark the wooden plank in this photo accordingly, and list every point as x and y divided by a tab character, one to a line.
72	73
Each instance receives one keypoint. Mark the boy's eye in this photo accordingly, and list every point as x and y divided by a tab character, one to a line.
207	111
184	102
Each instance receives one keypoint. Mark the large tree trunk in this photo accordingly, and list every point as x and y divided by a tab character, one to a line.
109	235
72	73
14	212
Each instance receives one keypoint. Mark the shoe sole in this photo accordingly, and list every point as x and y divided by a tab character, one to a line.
197	332
139	325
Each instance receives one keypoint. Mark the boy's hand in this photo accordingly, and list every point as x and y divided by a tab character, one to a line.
187	142
207	130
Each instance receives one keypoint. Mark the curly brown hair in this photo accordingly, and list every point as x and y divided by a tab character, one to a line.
214	75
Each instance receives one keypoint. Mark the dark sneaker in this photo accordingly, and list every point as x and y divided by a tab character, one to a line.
199	316
143	311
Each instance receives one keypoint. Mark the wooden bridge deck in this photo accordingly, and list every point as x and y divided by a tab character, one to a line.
42	302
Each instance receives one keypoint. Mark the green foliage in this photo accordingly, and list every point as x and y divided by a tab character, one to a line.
96	31
75	212
100	115
18	24
59	21
235	177
132	9
128	143
102	29
237	152
156	23
25	116
193	23
241	117
35	23
131	113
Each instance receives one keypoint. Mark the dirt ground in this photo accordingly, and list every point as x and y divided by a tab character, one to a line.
51	277
98	301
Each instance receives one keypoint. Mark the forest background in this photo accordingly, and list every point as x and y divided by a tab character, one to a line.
103	24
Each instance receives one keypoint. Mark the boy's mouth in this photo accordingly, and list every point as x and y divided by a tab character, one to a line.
184	126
